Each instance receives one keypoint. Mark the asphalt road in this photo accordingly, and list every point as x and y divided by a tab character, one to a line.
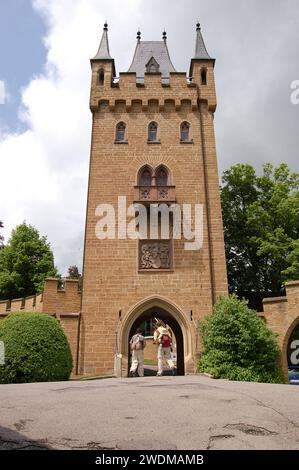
193	412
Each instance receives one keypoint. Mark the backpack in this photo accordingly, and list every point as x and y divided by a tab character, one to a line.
137	344
165	340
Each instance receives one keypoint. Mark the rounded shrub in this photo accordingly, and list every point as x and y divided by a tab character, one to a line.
36	349
238	345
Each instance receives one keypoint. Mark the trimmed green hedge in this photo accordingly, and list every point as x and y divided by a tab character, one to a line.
238	345
36	349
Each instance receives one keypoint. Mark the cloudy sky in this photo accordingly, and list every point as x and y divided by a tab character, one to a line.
45	123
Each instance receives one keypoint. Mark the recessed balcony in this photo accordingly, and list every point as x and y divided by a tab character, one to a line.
149	194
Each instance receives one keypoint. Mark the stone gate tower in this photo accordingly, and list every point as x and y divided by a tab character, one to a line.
152	142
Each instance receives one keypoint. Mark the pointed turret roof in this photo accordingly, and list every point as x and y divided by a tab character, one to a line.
200	47
147	50
103	52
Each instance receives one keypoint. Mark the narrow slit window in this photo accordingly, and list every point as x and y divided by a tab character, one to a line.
101	77
120	132
152	131
203	75
185	128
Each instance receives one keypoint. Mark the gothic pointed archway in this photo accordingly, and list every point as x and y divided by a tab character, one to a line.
171	314
291	352
167	318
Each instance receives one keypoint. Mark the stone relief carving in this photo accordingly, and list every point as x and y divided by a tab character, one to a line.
155	255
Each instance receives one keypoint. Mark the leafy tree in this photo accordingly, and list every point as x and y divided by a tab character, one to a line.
261	228
25	262
36	349
73	272
238	345
1	237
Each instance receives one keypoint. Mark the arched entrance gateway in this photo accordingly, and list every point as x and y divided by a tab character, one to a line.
291	352
144	314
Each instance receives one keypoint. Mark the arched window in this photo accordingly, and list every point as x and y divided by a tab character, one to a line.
120	132
161	176
152	131
203	76
145	177
101	77
185	127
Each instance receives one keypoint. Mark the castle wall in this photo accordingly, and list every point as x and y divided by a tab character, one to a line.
62	304
282	316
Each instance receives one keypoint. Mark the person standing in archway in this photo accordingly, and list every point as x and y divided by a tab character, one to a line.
137	345
163	338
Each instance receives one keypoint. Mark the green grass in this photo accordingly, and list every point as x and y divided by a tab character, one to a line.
149	362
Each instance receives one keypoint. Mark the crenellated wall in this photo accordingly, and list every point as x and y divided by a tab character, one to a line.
127	91
64	304
280	313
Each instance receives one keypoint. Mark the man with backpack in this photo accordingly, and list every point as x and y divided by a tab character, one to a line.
137	345
163	338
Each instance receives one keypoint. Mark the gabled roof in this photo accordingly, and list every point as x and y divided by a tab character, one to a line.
145	51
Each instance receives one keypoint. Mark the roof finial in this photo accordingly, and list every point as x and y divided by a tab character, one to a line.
200	48
103	52
138	35
164	36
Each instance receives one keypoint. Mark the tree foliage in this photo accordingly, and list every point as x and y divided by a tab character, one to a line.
238	345
36	349
25	262
1	237
261	228
74	273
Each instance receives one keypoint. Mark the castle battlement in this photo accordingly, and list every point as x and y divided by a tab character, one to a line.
152	76
52	300
130	91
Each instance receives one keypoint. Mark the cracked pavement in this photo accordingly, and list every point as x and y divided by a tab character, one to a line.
192	412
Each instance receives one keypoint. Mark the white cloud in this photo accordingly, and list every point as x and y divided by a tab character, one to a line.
44	171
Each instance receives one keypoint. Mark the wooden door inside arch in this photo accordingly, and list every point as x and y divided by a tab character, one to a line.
166	317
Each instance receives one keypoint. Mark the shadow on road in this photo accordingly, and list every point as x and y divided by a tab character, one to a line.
13	440
150	371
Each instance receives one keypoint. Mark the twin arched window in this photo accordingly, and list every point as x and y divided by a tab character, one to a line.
148	177
145	177
161	176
